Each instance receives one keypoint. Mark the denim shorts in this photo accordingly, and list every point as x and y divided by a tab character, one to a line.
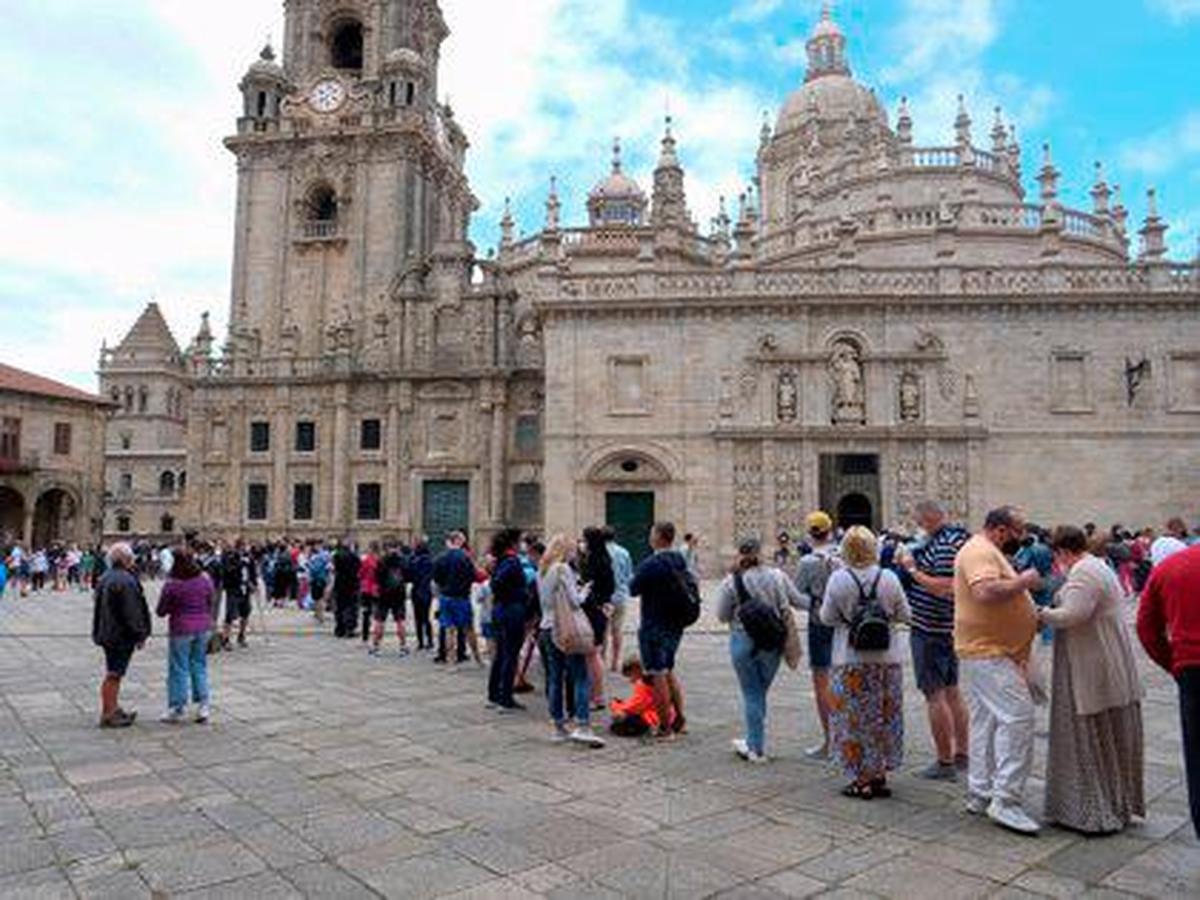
935	664
658	647
820	646
117	659
455	613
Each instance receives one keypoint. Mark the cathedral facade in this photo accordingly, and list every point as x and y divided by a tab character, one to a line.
875	323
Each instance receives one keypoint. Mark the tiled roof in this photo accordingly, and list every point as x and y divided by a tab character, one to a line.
22	382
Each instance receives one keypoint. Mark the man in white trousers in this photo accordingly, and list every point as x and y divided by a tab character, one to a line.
995	621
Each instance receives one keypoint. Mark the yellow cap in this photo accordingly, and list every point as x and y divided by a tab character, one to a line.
819	521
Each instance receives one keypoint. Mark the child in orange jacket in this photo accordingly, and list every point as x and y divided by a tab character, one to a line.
637	715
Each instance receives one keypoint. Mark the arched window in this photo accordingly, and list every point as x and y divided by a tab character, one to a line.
166	484
322	204
128	399
182	482
143	399
262	104
346	48
124	523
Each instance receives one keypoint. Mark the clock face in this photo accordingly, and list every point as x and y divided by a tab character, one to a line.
327	96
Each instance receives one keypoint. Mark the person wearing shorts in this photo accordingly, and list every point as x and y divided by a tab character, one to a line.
656	582
393	599
454	576
929	583
120	625
811	577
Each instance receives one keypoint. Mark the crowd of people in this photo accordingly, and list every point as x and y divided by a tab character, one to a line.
973	605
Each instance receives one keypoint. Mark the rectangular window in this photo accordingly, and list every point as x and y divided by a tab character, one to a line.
256	502
529	434
62	438
126	482
10	438
302	502
260	437
527	504
306	437
370	502
371	435
124	525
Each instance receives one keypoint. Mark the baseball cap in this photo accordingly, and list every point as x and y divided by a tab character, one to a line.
819	521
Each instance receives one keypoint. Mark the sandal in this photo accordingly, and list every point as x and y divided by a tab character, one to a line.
856	791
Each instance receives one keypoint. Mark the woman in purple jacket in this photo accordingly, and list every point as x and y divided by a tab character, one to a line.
186	600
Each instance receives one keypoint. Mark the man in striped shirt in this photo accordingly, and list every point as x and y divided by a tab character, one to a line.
930	587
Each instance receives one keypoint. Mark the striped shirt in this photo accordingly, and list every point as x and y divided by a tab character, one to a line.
931	613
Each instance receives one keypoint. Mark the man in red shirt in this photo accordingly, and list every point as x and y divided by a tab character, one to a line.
1168	625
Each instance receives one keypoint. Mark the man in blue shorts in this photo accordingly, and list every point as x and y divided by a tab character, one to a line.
929	582
454	576
811	577
658	583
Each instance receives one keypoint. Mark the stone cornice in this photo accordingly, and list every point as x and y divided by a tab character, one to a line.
844	433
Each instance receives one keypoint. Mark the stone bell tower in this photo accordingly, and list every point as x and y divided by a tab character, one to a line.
352	204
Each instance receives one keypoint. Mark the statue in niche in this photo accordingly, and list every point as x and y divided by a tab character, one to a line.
846	375
528	340
787	399
725	399
910	398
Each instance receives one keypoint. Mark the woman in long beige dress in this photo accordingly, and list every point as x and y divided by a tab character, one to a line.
1094	773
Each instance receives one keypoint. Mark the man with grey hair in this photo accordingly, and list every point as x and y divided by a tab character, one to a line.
120	625
929	583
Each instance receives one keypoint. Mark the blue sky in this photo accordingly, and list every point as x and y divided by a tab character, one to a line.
115	189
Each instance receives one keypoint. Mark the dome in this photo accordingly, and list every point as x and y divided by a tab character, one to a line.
830	98
404	58
266	67
618	185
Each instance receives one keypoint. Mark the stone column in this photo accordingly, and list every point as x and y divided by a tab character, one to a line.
283	447
27	526
496	454
341	457
391	503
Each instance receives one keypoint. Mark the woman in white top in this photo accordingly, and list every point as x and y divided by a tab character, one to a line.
867	686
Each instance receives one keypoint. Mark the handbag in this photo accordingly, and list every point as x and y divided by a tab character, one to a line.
572	631
792	649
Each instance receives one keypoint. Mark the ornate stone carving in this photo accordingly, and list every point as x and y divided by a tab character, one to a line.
768	344
846	378
339	334
748	384
787	398
725	395
909	397
789	488
971	408
529	341
289	337
909	486
952	483
747	490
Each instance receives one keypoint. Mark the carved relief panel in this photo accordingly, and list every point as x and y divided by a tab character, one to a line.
747	490
909	485
951	483
789	488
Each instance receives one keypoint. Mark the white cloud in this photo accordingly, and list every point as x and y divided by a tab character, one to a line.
754	10
1177	10
1166	149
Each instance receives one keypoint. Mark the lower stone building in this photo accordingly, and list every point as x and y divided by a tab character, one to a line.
51	461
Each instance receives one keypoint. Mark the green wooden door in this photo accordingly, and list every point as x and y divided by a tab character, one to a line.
631	514
446	507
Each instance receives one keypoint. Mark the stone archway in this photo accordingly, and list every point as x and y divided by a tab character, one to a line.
12	516
55	517
855	509
630	487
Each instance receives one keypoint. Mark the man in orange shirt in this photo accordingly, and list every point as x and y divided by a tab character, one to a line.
994	625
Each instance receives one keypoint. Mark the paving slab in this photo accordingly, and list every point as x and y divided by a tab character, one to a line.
329	774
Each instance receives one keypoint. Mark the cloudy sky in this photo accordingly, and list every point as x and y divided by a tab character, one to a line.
115	189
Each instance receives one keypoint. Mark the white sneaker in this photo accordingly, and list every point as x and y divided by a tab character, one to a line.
587	737
171	717
203	714
977	805
820	752
741	748
1012	817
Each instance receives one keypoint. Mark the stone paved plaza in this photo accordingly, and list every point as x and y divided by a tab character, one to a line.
329	774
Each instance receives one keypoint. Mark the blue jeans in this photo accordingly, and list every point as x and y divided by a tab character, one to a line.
574	668
508	623
187	664
755	671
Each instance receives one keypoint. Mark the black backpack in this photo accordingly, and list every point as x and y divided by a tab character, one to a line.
761	621
871	627
685	611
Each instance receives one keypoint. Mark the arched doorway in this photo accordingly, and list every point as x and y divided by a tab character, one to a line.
12	516
54	517
855	509
632	488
